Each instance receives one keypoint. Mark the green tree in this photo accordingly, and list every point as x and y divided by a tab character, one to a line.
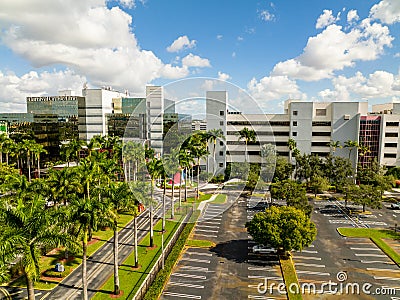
213	136
366	195
319	184
26	229
351	145
249	136
268	160
171	165
334	145
284	228
283	169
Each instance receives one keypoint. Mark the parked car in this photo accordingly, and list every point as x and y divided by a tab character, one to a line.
263	249
395	205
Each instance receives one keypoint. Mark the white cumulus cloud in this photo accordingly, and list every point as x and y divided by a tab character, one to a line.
326	19
334	49
265	15
181	43
15	89
223	76
192	60
352	16
388	11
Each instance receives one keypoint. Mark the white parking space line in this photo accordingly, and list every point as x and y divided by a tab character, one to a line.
206	230
370	255
377	262
384	270
198	253
206	226
309	265
313	273
189	276
196	260
308	257
386	278
267	269
206	235
266	277
193	268
187	296
307	251
208	223
195	286
366	249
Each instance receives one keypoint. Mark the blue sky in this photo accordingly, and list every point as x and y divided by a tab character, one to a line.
313	50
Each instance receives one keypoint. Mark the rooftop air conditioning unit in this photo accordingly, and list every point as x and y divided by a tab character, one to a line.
346	117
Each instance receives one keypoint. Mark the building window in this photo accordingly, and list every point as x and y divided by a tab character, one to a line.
321	134
294	123
391	134
294	133
320	112
321	123
221	153
221	143
221	123
320	144
393	124
389	155
221	112
391	145
295	113
221	165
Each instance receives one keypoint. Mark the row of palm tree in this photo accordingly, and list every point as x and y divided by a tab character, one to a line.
94	196
27	149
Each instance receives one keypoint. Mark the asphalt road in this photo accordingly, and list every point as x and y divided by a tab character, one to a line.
229	270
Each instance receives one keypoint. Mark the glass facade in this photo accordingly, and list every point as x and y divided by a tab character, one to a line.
369	137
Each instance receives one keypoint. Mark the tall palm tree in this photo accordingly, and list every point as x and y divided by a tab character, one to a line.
8	147
334	145
37	149
120	197
63	183
26	229
171	165
213	136
185	161
198	148
28	146
350	145
155	168
248	135
3	139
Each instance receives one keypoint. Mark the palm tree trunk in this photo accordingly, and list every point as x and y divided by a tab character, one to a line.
163	203
1	157
214	158
7	158
186	184
151	216
172	198
38	166
116	275
28	162
84	266
198	177
30	288
129	171
135	242
180	187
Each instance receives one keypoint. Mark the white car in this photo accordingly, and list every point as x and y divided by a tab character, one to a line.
263	249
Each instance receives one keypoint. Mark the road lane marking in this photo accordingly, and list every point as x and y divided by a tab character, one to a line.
308	257
386	278
196	260
370	255
366	249
377	262
206	230
268	269
207	226
207	235
198	253
309	265
195	286
181	295
384	270
192	268
313	273
189	276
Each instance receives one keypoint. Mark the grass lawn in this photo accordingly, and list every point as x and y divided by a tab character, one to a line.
377	236
200	243
131	278
290	277
48	261
220	199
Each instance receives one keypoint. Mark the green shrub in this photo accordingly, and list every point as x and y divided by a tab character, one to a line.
52	273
